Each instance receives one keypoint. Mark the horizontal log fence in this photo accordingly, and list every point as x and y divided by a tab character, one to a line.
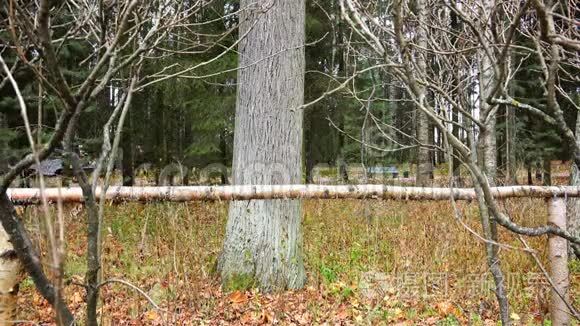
248	192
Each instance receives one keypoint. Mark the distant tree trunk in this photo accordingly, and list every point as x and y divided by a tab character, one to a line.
3	150
510	129
455	112
162	125
263	241
455	159
340	55
224	150
158	141
127	146
342	170
529	170
573	212
547	175
308	152
424	166
434	140
501	159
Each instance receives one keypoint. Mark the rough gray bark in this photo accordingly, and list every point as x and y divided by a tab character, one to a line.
487	136
487	152
264	237
424	167
493	262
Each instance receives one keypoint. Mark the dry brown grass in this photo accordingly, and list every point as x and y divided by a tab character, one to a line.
169	250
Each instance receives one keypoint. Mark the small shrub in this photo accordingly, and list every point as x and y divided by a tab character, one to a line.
329	274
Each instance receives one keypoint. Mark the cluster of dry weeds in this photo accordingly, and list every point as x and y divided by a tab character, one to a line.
369	262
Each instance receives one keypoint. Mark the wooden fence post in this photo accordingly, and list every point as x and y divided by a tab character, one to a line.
558	260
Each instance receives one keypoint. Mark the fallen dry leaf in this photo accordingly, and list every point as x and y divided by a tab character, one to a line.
304	319
445	308
515	316
266	317
398	313
247	317
342	314
152	315
237	297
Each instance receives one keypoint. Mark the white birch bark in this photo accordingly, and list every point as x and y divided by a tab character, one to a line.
487	136
263	192
424	166
11	274
487	152
263	238
558	258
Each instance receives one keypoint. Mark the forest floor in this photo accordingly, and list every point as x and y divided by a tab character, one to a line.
368	262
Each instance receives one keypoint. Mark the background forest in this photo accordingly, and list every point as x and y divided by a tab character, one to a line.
189	121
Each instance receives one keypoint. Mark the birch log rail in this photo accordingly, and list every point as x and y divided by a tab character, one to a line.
24	196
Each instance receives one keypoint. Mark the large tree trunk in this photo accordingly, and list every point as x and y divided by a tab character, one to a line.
264	237
424	166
